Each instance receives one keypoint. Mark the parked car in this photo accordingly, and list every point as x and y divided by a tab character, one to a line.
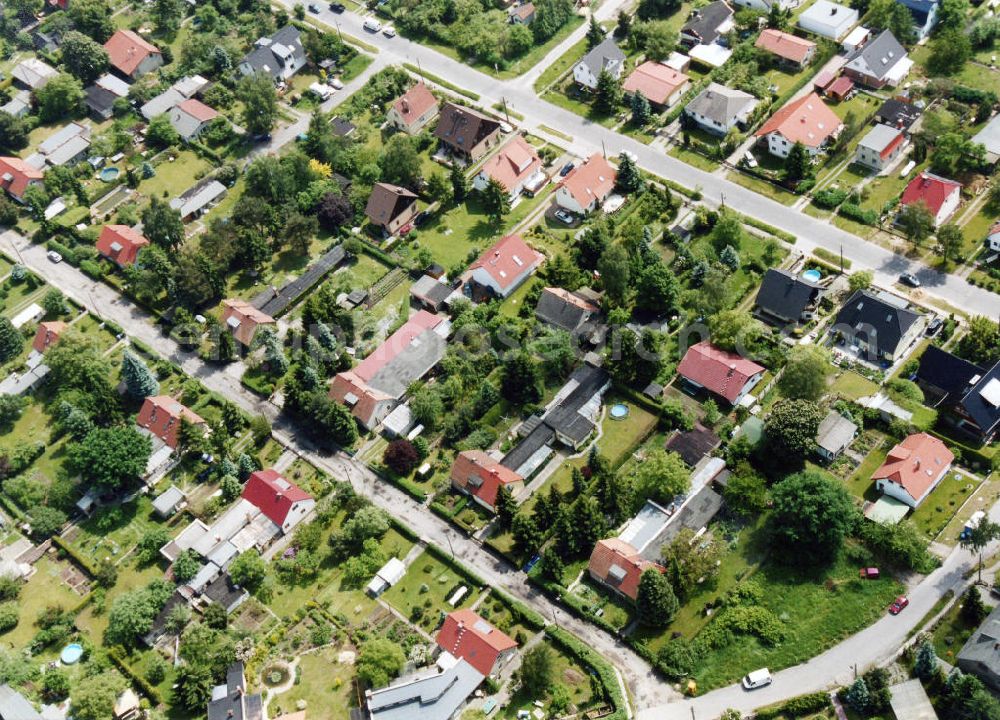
934	326
564	217
749	159
54	256
898	605
909	279
757	679
314	8
420	218
335	83
338	7
372	25
389	31
566	169
869	573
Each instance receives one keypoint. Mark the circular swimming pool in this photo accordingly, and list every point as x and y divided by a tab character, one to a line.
619	411
71	653
109	174
812	275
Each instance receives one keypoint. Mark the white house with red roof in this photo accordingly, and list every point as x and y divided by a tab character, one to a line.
480	476
242	319
131	55
940	195
16	176
516	166
913	468
720	372
467	636
807	120
121	244
190	118
47	335
282	501
163	416
414	110
374	387
587	186
502	268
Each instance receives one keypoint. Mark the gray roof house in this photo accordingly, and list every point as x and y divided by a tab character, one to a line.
280	55
198	199
605	57
880	147
565	310
834	436
880	62
436	694
67	146
707	24
989	136
14	706
785	296
909	700
880	329
718	109
980	656
33	74
432	294
169	501
231	701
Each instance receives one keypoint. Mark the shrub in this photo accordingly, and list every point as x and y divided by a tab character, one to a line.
829	198
855	212
9	615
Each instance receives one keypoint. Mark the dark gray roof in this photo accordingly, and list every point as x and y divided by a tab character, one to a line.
983	648
534	441
554	309
720	103
704	23
274	302
982	402
231	701
877	57
785	295
944	374
225	592
430	290
565	417
835	432
883	324
432	695
694	444
605	56
263	58
898	113
160	621
694	515
342	126
100	100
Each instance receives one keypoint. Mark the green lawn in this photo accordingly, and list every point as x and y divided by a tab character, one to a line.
537	52
860	484
561	66
763	187
130	577
112	532
951	633
569	97
935	511
325	685
851	386
693	158
44	589
422	595
565	672
174	177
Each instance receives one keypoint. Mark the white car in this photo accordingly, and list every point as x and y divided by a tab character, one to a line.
335	83
372	25
757	679
54	256
389	31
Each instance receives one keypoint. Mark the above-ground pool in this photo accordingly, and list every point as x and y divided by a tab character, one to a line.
812	275
619	411
71	653
109	173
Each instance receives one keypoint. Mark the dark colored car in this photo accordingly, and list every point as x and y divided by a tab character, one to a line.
566	169
338	7
909	279
933	326
898	605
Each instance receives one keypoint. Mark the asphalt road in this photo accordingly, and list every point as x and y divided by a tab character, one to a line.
589	137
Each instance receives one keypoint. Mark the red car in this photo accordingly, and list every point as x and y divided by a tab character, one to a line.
897	606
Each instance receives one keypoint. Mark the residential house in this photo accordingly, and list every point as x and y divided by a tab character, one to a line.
828	19
19	105
968	394
15	706
807	120
880	329
280	56
720	372
786	297
523	14
430	294
283	502
940	195
242	319
387	576
587	186
467	636
342	127
414	110
199	199
132	56
913	468
618	565
438	693
707	25
879	63
909	700
163	416
693	445
660	85
898	114
993	238
32	74
390	207
121	244
834	436
718	109
190	118
989	137
501	269
184	89
465	132
565	310
766	5
607	57
16	176
47	335
167	503
67	146
980	656
790	49
232	701
925	15
880	147
516	166
374	387
103	94
477	474
855	39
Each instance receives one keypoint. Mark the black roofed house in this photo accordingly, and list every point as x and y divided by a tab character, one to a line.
342	127
279	56
707	24
898	113
466	132
390	207
694	444
969	394
786	297
232	701
431	293
563	309
881	330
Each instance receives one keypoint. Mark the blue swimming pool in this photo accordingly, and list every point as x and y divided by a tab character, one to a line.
619	411
109	174
812	275
71	653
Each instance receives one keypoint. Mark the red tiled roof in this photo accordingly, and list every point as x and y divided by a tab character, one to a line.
127	50
915	464
161	415
515	163
273	495
397	343
198	110
467	636
595	178
893	144
612	552
412	104
785	45
807	120
492	475
654	80
48	334
248	317
507	260
121	243
840	87
930	189
20	173
348	383
723	373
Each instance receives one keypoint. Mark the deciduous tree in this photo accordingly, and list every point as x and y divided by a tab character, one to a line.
811	515
655	603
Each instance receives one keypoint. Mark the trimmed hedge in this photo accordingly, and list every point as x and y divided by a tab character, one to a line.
572	602
79	559
144	685
831	257
442	82
853	211
604	672
797	707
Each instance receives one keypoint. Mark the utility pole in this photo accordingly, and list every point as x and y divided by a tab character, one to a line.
505	111
842	272
604	149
